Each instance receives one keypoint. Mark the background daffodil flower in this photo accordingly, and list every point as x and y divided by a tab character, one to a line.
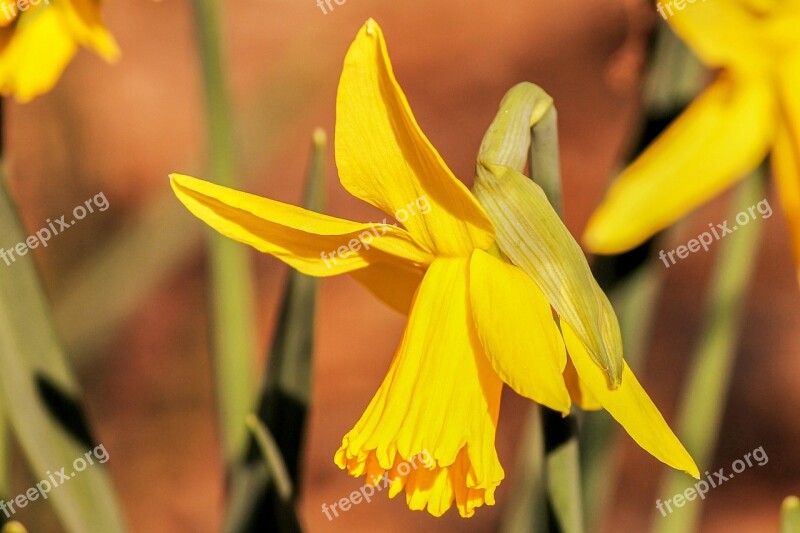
37	44
475	321
750	110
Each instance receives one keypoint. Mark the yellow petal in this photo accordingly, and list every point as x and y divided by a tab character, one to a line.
37	49
578	391
393	282
86	24
8	12
515	325
535	239
440	397
384	158
631	407
786	154
721	137
35	54
313	243
722	33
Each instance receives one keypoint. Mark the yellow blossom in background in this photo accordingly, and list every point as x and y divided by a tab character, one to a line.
475	321
37	44
750	110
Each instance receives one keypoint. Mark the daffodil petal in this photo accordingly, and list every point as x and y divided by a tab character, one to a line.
630	405
393	282
36	50
786	154
9	10
578	391
314	244
440	397
721	33
384	158
35	53
515	325
86	24
721	137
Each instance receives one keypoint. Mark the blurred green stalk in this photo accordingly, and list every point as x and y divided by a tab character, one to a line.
40	394
14	527
790	515
703	400
232	287
5	456
632	280
257	500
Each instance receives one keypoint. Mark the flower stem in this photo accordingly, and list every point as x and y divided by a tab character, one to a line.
790	515
231	276
562	462
702	403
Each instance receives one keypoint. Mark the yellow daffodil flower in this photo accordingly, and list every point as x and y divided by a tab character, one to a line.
750	110
38	42
475	321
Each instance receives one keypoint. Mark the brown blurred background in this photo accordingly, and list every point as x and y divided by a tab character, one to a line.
121	129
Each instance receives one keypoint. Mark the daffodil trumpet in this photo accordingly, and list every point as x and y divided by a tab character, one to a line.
478	316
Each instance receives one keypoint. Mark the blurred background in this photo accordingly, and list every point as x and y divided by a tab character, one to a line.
144	362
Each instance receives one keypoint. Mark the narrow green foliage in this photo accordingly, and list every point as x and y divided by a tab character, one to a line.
40	394
703	401
257	500
790	515
232	286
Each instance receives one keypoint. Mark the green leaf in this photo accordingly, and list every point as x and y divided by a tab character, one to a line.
529	230
41	396
232	293
272	458
285	393
702	402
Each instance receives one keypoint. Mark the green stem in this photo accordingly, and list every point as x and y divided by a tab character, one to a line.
703	400
790	515
5	456
231	276
561	451
527	509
